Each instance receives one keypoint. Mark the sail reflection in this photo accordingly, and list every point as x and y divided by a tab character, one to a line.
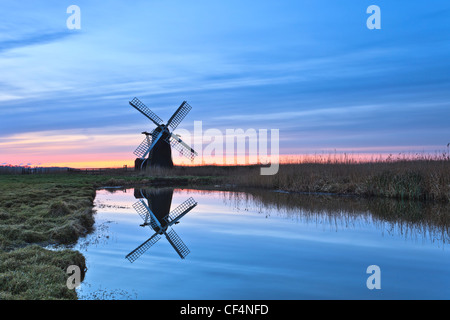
153	206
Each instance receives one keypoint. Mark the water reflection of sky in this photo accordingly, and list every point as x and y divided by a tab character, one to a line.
240	249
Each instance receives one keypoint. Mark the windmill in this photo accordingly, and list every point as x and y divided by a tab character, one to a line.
156	215
156	146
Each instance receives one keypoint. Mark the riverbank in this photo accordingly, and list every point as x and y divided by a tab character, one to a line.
45	209
51	209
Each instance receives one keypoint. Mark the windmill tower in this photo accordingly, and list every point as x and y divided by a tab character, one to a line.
155	150
156	215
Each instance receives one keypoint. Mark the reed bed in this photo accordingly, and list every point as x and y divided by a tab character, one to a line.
414	180
412	177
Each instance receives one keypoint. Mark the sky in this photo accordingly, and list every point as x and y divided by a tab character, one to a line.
311	69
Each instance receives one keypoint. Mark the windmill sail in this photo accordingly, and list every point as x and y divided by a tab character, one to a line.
146	214
155	138
180	146
139	251
179	115
143	147
142	108
180	211
177	243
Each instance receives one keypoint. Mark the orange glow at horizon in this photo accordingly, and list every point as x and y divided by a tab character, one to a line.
95	149
86	163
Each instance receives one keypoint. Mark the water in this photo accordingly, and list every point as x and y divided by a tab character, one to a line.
267	245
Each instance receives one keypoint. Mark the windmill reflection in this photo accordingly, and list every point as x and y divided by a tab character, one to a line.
156	214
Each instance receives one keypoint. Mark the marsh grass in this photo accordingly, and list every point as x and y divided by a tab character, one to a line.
414	180
422	179
36	273
36	210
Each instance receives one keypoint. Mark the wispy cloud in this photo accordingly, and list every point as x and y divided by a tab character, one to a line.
33	39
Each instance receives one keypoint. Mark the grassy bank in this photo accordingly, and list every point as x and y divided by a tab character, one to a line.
35	273
44	209
41	209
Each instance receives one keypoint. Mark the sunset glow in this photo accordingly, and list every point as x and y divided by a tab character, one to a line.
91	150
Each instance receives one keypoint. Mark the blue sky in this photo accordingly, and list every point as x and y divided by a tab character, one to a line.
311	69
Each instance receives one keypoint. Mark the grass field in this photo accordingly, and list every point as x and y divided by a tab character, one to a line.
42	209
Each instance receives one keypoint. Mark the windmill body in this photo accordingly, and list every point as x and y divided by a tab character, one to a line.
156	215
162	152
155	149
158	201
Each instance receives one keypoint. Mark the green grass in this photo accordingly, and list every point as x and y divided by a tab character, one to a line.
35	273
43	209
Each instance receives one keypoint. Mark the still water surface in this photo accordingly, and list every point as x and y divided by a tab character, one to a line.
266	245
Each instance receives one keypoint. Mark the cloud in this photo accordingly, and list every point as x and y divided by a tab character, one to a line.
33	39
